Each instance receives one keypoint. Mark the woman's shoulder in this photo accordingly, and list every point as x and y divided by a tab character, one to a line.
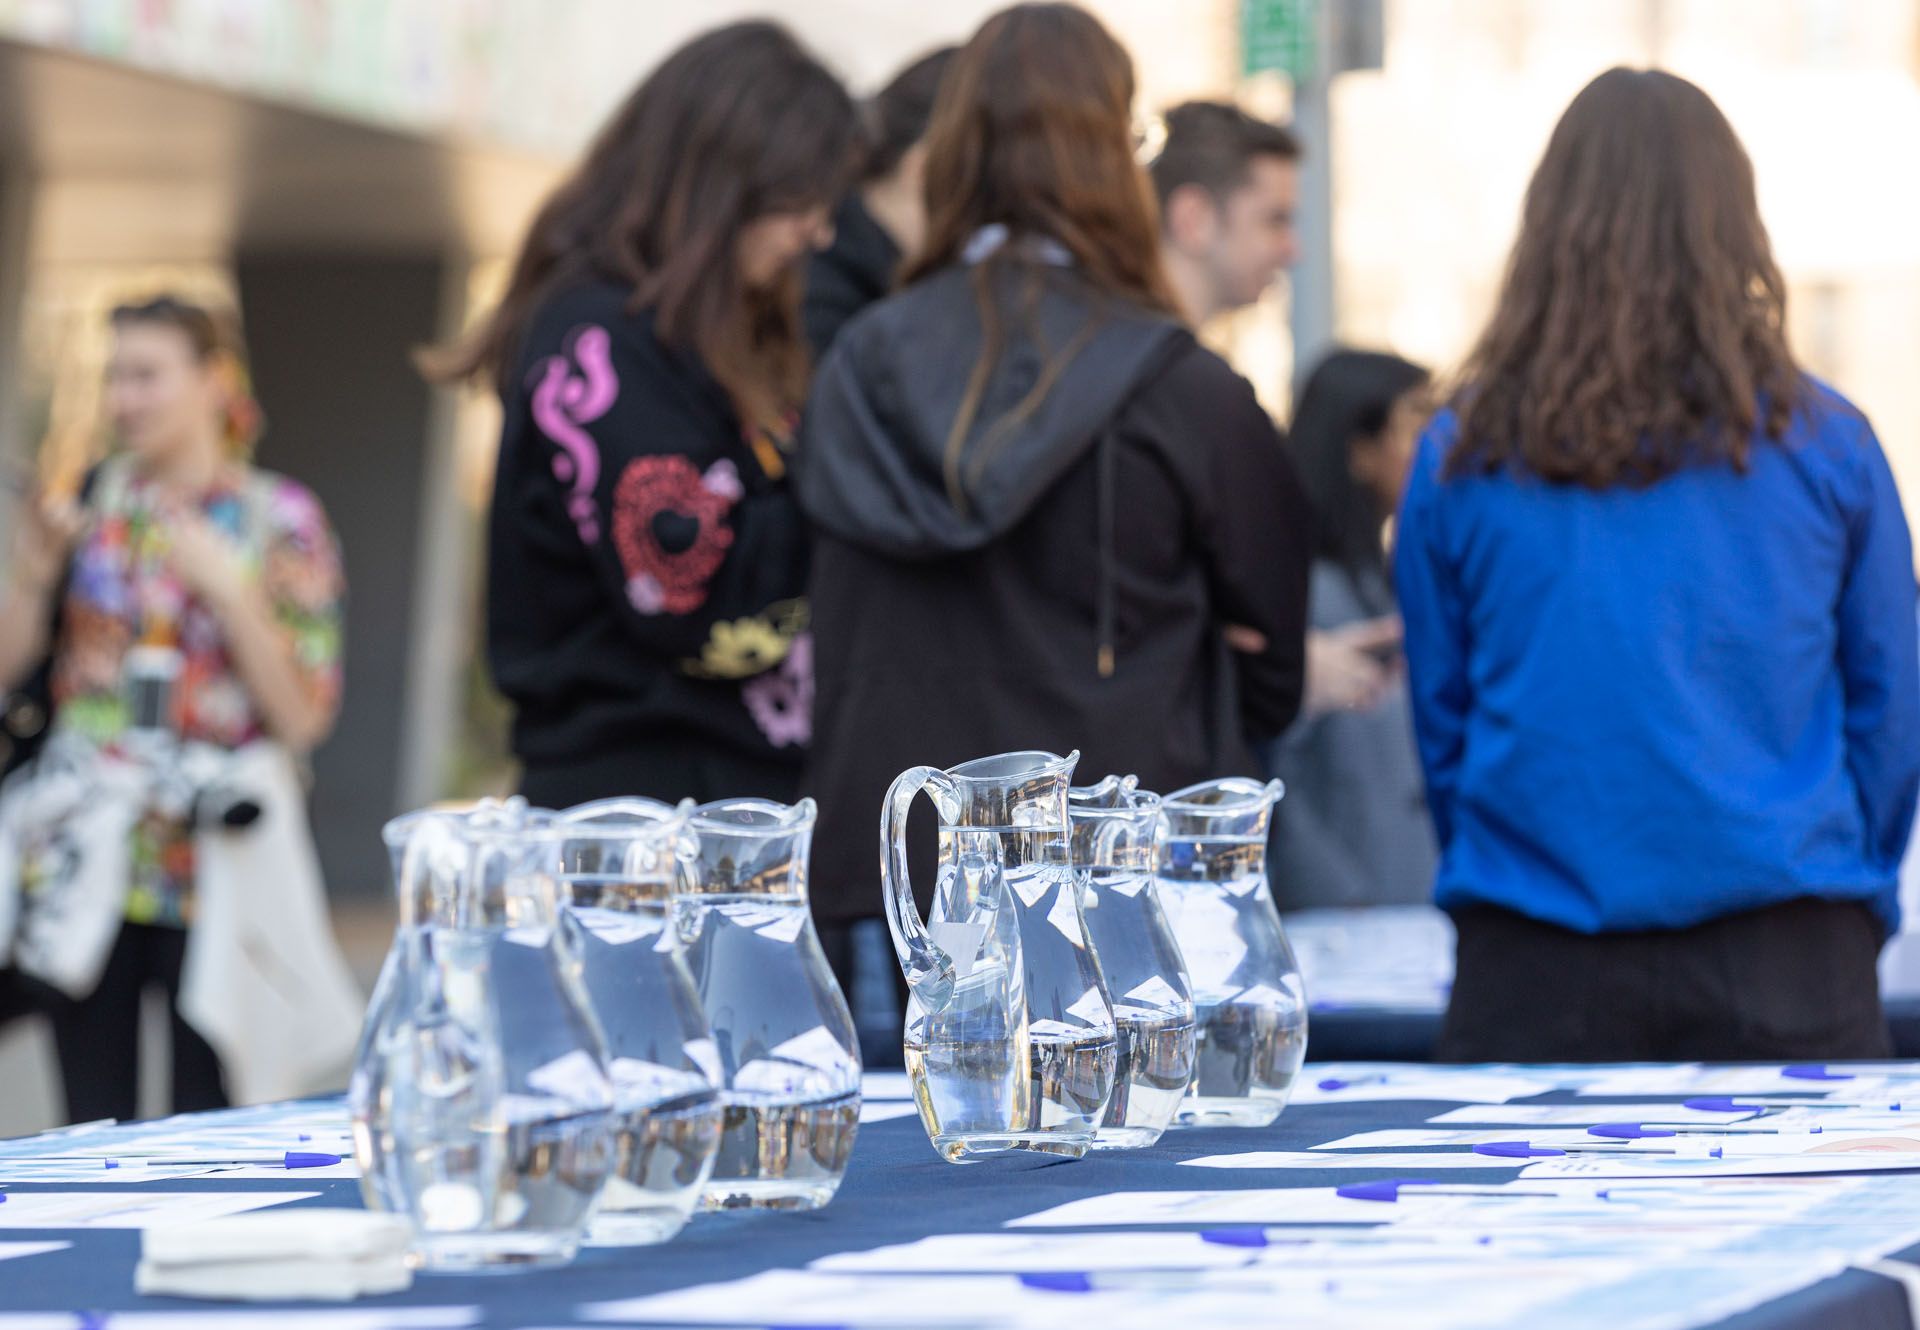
1826	414
591	316
287	507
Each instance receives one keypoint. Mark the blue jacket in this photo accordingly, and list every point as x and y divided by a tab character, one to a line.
1647	708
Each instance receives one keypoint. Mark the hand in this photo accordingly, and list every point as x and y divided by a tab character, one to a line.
203	558
1344	669
44	538
1249	641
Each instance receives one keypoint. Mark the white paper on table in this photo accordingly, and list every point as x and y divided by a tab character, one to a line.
885	1110
1686	1207
1281	1205
93	1171
805	1297
1813	1144
1845	1119
141	1209
1029	1253
886	1085
1309	1159
1426	1138
1789	1141
1682	1295
370	1318
124	1143
1400	1081
1627	1165
13	1251
1693	1079
343	1318
345	1170
1438	1295
1580	1115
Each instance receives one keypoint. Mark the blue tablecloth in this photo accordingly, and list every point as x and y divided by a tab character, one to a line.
896	1190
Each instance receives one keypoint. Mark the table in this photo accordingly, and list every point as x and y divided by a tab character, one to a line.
895	1190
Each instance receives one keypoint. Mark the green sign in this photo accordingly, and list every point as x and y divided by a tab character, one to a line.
1281	35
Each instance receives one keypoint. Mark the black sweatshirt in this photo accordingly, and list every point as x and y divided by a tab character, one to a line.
647	569
1077	598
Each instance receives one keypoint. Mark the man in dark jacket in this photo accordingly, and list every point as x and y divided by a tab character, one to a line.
882	218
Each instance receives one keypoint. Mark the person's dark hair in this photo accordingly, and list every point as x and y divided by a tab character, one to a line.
739	123
1213	145
897	116
1033	131
215	339
208	333
1349	396
1642	323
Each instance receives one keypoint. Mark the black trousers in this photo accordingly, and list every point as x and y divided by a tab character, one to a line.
1791	982
877	1015
98	1037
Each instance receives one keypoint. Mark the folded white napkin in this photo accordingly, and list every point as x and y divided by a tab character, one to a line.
300	1253
272	1280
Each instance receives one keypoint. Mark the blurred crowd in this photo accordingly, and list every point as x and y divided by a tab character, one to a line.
845	436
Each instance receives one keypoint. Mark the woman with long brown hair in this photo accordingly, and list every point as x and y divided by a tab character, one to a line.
1660	625
645	608
1039	501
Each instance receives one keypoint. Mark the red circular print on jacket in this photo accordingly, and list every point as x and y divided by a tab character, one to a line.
669	525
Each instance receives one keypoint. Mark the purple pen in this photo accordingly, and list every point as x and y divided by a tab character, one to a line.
1635	1131
1336	1083
291	1159
1525	1150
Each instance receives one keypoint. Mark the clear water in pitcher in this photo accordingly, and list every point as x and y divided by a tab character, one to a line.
1250	1005
792	1109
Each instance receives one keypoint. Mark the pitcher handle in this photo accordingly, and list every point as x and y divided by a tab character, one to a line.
928	968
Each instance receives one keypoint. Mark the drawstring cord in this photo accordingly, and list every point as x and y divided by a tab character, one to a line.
1105	594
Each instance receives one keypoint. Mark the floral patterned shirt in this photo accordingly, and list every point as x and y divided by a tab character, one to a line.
121	593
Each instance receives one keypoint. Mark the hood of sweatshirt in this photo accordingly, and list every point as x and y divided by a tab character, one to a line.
878	464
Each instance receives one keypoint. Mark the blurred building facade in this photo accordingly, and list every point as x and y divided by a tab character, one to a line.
352	173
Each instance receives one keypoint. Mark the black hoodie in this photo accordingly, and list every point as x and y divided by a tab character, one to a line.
646	569
1065	584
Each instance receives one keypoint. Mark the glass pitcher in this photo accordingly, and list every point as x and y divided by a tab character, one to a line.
421	900
482	1096
1010	1040
788	1054
1116	845
1249	1001
397	834
618	861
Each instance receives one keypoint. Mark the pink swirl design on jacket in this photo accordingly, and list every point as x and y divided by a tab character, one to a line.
564	404
781	700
